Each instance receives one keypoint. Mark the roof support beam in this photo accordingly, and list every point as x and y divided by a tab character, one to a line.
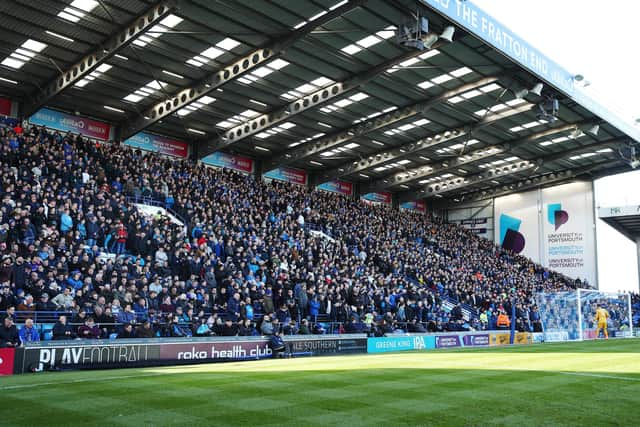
457	183
535	182
437	168
610	143
340	137
230	72
105	51
314	99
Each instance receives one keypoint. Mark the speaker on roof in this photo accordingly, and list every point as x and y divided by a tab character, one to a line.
548	110
415	34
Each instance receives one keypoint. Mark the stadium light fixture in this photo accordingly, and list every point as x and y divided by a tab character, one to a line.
447	34
593	130
537	89
521	93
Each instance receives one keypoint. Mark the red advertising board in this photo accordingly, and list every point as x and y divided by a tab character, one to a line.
378	197
337	186
419	206
5	106
158	144
6	361
69	123
294	176
231	161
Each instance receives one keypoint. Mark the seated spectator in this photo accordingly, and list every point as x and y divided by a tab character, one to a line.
266	328
28	332
62	330
304	327
44	304
203	329
89	330
64	300
27	305
416	327
127	315
126	332
276	343
145	330
247	329
9	336
290	328
229	329
353	326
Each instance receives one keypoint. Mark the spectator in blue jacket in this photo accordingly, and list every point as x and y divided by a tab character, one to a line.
233	307
28	333
314	307
127	315
66	222
141	310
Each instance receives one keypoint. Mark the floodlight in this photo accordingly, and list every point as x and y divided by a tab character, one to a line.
577	133
447	34
593	130
521	93
537	89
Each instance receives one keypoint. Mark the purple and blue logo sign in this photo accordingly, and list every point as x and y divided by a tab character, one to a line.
556	216
510	236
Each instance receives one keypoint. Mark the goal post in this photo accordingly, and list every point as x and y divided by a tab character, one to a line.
618	304
570	315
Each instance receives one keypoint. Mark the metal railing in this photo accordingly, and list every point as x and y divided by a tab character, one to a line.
321	324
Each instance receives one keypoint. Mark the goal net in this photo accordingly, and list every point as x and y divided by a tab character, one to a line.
570	315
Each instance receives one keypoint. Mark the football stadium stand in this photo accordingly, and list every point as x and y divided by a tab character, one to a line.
165	166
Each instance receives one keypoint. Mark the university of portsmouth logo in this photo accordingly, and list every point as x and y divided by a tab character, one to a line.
556	216
510	238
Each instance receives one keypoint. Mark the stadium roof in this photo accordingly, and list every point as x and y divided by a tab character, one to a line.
322	85
625	219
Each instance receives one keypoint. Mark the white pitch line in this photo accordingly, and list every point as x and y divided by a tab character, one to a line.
612	377
84	380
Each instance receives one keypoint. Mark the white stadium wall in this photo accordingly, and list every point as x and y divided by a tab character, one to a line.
554	226
568	230
517	223
476	216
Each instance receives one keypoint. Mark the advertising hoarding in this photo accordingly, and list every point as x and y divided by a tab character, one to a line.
382	197
340	187
400	343
419	206
69	123
230	161
294	176
158	144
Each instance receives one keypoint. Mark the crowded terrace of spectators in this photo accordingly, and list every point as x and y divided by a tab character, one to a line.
78	253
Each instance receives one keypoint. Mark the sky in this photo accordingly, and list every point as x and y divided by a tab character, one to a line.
600	41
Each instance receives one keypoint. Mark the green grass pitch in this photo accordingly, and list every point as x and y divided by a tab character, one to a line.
589	383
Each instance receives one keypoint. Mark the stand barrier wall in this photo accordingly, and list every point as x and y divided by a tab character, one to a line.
102	354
